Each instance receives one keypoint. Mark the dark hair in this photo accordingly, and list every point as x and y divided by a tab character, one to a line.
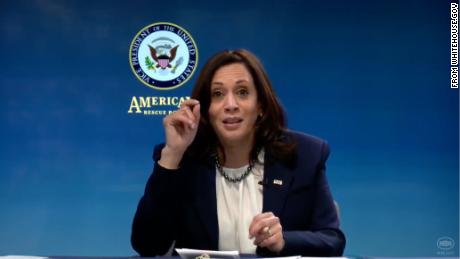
269	127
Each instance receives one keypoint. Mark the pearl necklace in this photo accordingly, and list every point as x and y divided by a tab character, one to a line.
234	179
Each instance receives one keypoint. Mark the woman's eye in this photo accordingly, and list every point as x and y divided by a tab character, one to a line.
217	94
242	92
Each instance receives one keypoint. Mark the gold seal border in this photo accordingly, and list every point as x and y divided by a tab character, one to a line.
156	87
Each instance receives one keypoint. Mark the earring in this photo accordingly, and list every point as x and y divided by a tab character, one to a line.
259	117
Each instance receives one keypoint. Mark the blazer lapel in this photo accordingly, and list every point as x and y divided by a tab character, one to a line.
206	203
277	181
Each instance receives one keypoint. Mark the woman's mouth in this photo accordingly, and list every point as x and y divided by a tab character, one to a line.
232	123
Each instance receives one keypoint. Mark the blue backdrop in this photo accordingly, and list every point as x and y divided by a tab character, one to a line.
371	77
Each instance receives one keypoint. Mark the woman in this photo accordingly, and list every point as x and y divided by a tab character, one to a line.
232	177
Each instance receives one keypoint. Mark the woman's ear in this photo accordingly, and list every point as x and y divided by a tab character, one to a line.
260	113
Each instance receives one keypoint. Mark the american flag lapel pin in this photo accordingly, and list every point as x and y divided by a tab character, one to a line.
277	182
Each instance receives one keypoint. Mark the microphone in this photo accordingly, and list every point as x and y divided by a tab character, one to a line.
264	182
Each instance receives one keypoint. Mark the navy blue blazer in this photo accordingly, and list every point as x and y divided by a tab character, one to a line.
181	205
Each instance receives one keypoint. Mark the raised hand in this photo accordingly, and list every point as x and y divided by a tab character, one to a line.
180	130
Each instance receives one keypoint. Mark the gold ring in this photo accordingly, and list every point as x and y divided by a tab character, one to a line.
268	230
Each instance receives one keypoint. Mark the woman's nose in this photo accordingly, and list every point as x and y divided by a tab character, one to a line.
231	103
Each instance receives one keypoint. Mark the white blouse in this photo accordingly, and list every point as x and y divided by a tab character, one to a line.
237	204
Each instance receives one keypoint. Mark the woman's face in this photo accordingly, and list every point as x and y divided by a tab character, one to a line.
234	106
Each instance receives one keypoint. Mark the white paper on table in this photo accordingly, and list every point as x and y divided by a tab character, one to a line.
21	257
303	257
287	257
186	253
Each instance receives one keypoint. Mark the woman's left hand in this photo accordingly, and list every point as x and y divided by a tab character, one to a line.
267	231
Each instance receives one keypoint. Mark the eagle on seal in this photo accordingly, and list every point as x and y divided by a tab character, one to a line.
163	60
